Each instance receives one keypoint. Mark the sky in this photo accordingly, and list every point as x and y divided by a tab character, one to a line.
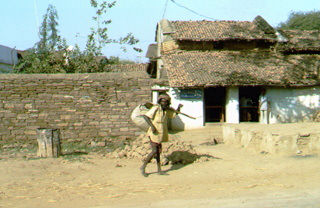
20	19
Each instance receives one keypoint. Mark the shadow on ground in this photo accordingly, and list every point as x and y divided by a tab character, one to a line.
74	153
180	159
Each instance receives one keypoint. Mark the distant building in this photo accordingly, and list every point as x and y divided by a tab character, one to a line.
8	58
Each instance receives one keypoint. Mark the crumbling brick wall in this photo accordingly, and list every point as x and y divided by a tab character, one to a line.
82	106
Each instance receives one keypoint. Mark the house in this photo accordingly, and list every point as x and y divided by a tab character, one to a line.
216	69
8	58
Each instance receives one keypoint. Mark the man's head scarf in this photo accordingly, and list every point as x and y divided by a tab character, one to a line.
164	96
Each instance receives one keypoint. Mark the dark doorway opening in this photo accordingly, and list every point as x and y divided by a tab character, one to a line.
249	102
214	101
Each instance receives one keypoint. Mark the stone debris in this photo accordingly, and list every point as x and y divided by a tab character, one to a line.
173	152
212	143
317	116
98	144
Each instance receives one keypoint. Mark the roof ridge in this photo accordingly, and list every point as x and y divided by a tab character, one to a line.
233	21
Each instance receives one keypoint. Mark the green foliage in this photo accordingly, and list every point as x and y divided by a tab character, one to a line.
2	70
117	60
41	62
51	53
82	62
302	21
47	56
98	38
50	39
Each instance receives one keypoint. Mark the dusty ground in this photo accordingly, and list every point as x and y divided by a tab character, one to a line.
235	178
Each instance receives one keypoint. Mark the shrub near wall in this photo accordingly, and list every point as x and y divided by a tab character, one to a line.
82	106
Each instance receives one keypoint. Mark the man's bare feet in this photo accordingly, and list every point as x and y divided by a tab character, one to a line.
162	173
143	171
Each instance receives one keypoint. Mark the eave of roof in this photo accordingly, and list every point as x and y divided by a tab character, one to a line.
236	68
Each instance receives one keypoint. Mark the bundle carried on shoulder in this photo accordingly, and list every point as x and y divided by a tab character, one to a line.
136	115
142	109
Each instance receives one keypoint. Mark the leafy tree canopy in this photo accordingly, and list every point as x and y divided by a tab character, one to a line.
52	55
50	39
117	60
302	21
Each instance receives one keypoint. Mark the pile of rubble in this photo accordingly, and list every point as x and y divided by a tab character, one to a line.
173	152
317	116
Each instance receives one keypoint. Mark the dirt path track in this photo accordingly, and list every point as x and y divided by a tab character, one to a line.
235	178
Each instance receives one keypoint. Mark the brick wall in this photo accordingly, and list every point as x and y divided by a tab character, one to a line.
82	106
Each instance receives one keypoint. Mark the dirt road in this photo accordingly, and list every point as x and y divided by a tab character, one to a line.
235	178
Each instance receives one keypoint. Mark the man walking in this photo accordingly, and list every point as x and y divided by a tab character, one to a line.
157	119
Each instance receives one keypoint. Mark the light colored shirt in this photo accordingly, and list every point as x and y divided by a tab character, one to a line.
264	102
159	119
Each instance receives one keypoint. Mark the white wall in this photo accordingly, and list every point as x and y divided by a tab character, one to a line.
8	57
192	107
232	105
290	105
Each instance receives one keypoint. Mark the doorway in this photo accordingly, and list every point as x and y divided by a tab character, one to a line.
214	102
249	102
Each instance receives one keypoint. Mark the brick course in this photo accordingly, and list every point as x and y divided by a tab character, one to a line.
83	106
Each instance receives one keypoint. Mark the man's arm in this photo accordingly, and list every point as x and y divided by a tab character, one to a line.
148	120
178	111
179	107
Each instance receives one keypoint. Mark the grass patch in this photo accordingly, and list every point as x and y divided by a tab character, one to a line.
18	150
71	151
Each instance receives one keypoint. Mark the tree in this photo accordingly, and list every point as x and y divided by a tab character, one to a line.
50	39
47	55
42	62
302	21
51	54
98	38
117	60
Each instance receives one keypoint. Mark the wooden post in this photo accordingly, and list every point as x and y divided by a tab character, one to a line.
48	142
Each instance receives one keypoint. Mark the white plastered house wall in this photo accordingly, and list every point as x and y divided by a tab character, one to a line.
288	105
193	107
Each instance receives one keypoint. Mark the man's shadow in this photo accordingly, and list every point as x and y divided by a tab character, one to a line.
180	159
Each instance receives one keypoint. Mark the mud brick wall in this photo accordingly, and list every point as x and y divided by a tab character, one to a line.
82	106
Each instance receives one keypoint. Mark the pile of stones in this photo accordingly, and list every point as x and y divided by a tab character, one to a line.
173	152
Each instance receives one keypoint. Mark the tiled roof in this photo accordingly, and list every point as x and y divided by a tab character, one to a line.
302	39
232	68
126	68
218	30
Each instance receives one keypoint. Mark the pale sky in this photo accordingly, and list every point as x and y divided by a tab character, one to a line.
19	19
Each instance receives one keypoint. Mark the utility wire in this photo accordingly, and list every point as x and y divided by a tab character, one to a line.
192	10
165	9
36	12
